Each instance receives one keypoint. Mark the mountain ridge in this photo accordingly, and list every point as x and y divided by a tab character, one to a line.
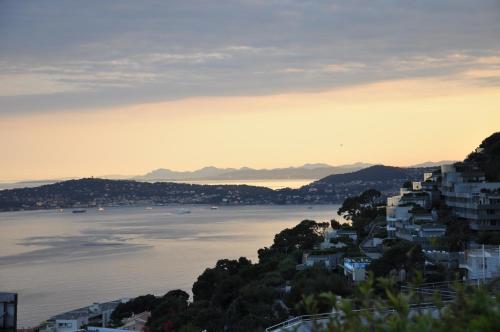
306	171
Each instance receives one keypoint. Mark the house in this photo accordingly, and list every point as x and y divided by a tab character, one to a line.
323	258
355	268
347	233
338	238
481	262
136	322
97	314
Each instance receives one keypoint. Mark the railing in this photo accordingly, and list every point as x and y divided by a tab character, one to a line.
295	321
299	320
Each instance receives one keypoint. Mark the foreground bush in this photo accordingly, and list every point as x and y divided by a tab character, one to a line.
471	310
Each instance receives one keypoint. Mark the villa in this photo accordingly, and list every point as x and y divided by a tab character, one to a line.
97	314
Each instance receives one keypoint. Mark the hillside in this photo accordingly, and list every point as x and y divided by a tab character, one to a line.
373	173
386	179
95	192
487	156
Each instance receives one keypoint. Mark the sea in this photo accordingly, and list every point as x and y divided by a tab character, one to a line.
57	261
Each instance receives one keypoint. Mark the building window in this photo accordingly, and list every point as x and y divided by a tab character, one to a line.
65	325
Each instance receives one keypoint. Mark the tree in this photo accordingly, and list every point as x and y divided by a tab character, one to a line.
457	234
402	254
357	206
492	238
169	314
489	158
303	236
134	306
314	281
334	224
370	197
350	208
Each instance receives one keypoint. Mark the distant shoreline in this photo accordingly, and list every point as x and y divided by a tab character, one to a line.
299	182
171	205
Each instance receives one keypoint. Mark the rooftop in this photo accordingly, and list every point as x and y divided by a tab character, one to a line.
86	311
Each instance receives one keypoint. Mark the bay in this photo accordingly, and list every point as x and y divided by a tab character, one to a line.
58	261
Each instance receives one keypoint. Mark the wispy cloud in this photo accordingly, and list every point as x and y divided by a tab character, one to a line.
88	54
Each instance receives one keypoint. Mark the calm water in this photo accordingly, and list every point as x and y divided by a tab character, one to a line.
60	261
273	184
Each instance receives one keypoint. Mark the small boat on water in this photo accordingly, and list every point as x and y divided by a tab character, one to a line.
100	209
214	208
183	211
148	208
79	211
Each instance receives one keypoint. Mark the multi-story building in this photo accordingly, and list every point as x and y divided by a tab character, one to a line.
465	190
97	314
8	312
481	262
410	215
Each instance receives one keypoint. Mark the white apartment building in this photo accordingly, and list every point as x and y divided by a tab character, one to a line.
409	215
481	262
97	314
466	192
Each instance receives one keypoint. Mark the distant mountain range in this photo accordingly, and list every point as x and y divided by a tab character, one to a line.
307	171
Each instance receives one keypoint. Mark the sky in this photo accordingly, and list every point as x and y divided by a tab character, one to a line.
89	88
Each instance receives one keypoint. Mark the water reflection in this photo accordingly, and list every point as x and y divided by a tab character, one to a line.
58	261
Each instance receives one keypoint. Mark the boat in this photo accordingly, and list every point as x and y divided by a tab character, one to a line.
183	211
214	208
79	211
100	209
148	208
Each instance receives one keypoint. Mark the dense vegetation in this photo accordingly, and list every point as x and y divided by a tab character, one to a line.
401	255
488	157
362	210
238	295
471	310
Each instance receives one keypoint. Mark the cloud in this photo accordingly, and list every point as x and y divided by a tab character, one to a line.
31	84
344	67
64	55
